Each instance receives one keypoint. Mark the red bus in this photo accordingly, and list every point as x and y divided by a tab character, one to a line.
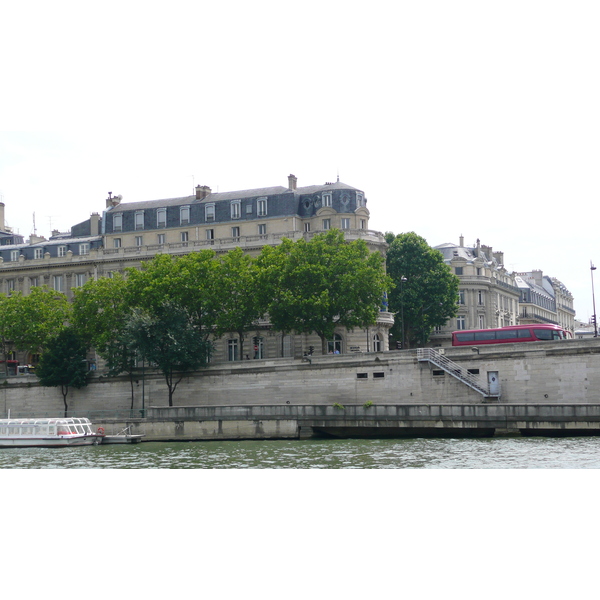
509	335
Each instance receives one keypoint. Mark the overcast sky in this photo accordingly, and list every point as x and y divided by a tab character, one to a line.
464	117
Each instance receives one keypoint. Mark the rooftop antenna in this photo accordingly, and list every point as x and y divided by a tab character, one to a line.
34	228
338	175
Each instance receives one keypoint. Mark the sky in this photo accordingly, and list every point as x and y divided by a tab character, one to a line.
470	118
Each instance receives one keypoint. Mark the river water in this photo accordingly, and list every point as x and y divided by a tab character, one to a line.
421	453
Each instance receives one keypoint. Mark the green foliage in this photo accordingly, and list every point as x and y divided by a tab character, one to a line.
166	337
63	363
28	322
368	404
428	297
318	285
338	406
238	292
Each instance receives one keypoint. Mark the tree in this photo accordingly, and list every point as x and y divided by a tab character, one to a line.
42	314
8	319
425	291
238	289
100	313
189	281
321	284
63	363
167	337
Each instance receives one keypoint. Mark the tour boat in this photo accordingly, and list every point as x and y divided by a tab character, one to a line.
48	432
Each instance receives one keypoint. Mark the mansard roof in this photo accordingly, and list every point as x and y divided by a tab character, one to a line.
235	195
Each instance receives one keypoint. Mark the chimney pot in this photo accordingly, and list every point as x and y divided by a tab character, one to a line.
292	182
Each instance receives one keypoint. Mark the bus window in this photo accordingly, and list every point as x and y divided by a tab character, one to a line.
485	335
544	334
506	335
524	333
465	337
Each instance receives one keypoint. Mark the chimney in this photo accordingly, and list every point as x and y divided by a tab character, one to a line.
461	241
202	191
1	216
95	224
113	200
292	182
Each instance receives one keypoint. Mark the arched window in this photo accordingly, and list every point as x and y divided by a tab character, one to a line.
376	343
334	346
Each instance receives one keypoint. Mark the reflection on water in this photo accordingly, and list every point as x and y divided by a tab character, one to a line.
502	453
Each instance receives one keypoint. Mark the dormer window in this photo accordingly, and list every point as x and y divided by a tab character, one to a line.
161	217
327	199
139	220
209	212
184	215
261	207
360	200
236	209
118	222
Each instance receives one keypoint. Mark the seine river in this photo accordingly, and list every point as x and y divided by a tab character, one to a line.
498	453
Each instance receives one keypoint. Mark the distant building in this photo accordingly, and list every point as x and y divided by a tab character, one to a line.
7	237
488	296
544	300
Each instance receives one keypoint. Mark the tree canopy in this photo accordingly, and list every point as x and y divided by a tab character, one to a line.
318	285
425	291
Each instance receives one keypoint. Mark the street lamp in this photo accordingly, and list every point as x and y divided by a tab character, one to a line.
592	269
402	281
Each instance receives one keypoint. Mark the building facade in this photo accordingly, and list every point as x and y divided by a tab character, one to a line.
488	295
127	234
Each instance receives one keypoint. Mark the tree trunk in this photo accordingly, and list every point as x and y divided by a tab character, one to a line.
65	390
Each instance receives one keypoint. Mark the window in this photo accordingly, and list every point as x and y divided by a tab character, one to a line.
376	343
33	282
461	322
480	298
210	234
481	321
184	215
362	376
38	253
262	229
326	224
458	270
363	223
306	227
139	220
209	212
232	349
379	375
236	209
235	232
161	238
62	251
116	242
185	236
118	222
80	279
345	223
84	248
248	209
139	240
10	286
326	198
58	283
261	207
334	346
360	200
14	255
461	296
161	217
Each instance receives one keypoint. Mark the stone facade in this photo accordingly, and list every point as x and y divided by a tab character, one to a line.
488	295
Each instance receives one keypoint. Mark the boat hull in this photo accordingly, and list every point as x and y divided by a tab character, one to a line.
50	442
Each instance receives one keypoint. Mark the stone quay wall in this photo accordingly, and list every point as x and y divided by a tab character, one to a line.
541	373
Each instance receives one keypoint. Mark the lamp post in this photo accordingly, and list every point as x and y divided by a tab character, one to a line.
592	269
403	280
